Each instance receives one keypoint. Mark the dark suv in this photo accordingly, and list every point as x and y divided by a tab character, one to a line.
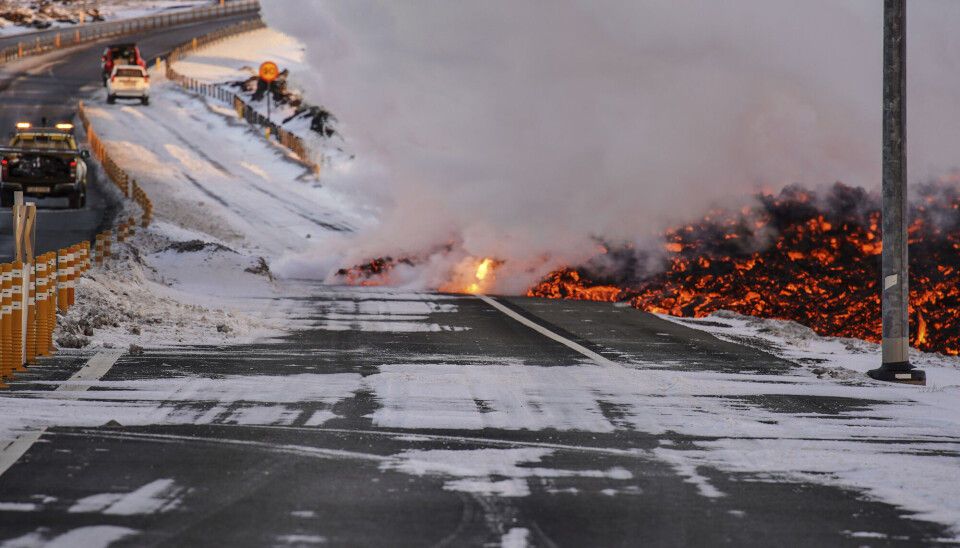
119	54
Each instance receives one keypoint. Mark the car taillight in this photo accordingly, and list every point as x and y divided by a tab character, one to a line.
146	78
73	170
113	78
3	171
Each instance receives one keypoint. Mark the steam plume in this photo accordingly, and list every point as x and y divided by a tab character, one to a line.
527	129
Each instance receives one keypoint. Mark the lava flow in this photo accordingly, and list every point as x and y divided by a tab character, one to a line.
813	259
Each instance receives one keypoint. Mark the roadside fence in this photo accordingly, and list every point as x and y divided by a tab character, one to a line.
43	41
120	178
244	110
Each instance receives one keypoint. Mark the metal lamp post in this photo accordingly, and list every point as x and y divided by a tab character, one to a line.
895	366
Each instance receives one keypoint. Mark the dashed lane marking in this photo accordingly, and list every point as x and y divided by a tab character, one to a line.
93	370
597	358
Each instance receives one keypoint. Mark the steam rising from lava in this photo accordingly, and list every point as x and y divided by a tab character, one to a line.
527	130
532	132
822	271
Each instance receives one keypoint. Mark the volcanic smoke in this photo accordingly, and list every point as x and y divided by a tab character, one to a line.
534	134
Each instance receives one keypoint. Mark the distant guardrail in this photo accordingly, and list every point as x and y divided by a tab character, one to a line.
295	143
41	42
114	172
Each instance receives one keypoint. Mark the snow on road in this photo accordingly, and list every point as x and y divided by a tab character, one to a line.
225	198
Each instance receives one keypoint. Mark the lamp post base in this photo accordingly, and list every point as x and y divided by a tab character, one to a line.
902	372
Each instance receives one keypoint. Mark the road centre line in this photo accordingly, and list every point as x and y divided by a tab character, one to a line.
95	368
597	358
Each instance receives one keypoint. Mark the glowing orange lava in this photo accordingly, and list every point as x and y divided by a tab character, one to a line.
810	258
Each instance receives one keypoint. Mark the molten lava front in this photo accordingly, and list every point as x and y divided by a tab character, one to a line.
802	256
796	256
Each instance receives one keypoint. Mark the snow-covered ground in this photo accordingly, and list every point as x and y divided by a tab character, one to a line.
66	14
225	198
241	200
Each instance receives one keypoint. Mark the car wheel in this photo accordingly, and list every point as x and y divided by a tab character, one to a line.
77	199
111	99
145	100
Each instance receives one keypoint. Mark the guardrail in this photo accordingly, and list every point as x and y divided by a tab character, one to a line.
34	289
45	41
295	143
117	175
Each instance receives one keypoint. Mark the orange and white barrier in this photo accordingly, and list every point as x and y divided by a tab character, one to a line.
6	320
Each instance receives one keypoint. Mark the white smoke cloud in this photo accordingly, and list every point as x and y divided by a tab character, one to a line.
523	129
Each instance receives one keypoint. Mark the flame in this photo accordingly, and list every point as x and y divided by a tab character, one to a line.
472	275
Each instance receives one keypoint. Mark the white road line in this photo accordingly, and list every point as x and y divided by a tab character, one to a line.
600	360
298	450
94	369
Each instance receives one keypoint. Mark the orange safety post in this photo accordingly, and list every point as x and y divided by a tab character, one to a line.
77	260
6	323
106	243
16	318
71	273
98	251
132	226
51	300
41	294
62	293
86	255
33	318
122	232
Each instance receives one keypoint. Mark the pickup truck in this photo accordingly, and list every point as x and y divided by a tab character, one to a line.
43	162
43	173
128	82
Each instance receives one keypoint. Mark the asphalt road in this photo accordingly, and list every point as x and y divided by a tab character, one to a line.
329	437
48	86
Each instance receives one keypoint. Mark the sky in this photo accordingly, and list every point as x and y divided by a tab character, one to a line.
526	130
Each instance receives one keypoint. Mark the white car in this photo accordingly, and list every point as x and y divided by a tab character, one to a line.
128	82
